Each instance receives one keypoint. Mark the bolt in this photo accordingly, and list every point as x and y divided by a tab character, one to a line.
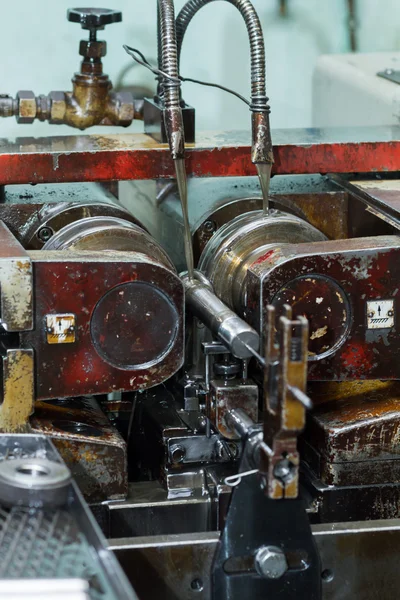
263	483
390	313
44	234
389	71
209	226
327	575
370	315
226	449
197	585
202	423
177	453
284	470
270	562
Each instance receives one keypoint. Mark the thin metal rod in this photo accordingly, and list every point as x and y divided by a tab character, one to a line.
300	397
254	353
264	176
181	180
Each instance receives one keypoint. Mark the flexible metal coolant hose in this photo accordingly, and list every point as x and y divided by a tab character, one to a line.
171	88
249	14
261	155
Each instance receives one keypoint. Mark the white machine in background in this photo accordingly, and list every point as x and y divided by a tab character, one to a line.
356	89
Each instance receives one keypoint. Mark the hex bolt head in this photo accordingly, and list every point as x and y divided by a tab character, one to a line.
270	562
210	226
177	453
27	109
44	234
285	470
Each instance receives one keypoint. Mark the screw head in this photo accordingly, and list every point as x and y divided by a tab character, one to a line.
177	453
202	423
44	234
209	226
284	470
270	562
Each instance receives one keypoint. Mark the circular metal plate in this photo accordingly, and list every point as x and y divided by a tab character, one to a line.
326	307
134	326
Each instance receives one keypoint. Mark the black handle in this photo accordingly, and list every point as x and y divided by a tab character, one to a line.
94	18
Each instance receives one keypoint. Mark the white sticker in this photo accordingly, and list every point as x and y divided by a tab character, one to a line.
380	314
60	329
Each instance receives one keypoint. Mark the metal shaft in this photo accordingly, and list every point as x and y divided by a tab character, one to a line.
240	421
241	339
183	194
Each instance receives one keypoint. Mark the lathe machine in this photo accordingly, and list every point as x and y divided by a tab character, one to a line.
209	354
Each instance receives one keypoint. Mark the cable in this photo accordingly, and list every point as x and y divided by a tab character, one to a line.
145	63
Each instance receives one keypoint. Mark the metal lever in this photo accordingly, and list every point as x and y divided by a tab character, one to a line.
286	403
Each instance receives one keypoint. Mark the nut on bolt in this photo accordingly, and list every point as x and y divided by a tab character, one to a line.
270	562
26	102
91	49
58	107
177	453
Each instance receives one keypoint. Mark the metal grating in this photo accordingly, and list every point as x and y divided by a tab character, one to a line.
37	543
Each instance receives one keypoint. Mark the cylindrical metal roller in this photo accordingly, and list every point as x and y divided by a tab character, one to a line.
240	422
221	320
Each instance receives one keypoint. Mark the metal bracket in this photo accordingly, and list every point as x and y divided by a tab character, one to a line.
390	74
256	523
286	403
16	283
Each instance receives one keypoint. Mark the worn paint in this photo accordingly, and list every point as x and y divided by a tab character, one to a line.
18	391
361	270
92	448
16	281
355	432
137	156
74	283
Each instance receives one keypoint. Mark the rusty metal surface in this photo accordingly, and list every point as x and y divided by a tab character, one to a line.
74	283
354	431
178	566
15	282
360	557
245	240
284	415
225	396
328	212
93	449
17	402
382	196
326	307
365	269
138	156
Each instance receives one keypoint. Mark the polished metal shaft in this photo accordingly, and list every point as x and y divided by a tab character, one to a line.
241	339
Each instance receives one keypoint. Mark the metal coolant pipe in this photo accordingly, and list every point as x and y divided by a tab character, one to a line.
241	339
173	118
